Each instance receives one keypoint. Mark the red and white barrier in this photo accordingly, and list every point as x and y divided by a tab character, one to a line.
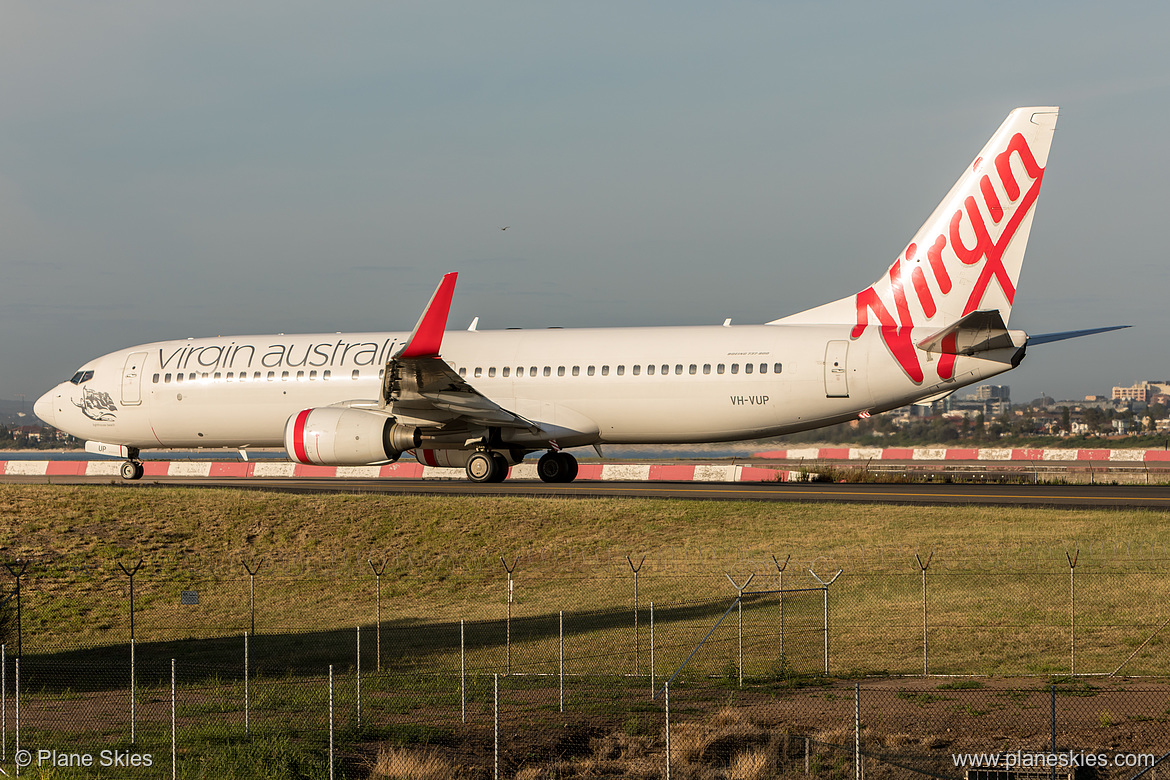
615	472
968	454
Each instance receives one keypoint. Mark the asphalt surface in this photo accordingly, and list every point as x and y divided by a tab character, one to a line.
1071	496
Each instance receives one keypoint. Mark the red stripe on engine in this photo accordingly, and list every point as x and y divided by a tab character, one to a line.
300	451
429	457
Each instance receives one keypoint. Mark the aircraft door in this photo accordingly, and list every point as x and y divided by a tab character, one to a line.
132	378
836	377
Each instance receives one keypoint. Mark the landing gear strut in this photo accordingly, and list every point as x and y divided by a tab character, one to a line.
487	466
132	469
557	467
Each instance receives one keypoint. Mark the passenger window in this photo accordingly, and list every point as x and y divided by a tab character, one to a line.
178	377
637	370
621	370
763	368
605	370
576	370
693	369
650	370
284	376
492	371
519	370
678	369
591	371
324	374
735	368
354	375
463	372
532	371
747	368
777	368
167	379
313	375
156	379
720	368
548	370
300	376
560	370
506	371
478	372
271	375
665	369
706	368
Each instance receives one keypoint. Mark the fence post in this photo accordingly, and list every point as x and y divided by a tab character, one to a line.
825	587
857	730
130	573
637	636
496	729
739	603
19	627
252	588
359	677
174	728
330	721
924	567
781	569
17	692
4	702
666	700
508	639
247	702
1072	609
462	673
378	631
562	658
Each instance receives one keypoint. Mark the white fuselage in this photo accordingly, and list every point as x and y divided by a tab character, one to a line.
591	386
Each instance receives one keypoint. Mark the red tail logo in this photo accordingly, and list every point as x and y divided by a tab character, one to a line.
968	241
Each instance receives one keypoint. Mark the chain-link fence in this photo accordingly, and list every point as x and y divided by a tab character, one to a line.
653	671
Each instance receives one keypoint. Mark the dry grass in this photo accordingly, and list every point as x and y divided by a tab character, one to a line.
402	764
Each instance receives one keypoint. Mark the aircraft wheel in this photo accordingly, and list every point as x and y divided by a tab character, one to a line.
481	467
557	467
132	470
501	468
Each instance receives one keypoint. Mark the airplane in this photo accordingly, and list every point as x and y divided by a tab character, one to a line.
935	321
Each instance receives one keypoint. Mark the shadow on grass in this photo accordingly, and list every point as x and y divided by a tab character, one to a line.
408	646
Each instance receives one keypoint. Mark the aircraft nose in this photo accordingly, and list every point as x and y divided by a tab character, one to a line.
43	408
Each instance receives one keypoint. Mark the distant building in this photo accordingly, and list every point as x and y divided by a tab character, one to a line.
993	393
1142	392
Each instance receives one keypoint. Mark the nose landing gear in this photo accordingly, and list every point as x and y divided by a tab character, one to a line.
132	469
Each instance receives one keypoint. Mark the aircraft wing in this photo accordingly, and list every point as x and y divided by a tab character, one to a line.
421	389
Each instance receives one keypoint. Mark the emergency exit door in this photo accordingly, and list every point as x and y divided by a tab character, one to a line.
132	378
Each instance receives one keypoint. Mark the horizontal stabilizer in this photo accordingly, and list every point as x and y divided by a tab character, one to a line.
979	331
1048	338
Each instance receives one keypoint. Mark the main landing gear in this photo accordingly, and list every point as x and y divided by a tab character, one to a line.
487	466
557	467
132	469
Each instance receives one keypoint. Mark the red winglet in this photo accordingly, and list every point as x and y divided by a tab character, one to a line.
427	336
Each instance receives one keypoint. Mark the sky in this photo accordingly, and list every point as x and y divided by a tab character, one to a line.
171	170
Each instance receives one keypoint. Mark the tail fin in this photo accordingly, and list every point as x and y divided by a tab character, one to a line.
967	256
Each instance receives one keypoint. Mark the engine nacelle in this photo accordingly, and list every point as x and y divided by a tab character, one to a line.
337	436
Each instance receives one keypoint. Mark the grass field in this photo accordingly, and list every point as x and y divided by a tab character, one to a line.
999	593
999	585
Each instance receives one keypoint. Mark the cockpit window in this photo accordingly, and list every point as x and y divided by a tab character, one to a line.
81	376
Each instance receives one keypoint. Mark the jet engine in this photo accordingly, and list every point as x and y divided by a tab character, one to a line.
339	436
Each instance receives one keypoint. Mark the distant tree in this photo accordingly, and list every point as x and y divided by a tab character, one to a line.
1065	419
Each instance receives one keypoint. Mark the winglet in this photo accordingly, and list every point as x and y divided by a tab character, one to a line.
427	336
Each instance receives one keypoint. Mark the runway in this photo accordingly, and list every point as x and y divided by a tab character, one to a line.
1156	497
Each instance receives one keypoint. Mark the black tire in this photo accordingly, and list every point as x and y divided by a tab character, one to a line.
557	467
501	466
570	466
132	470
481	467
